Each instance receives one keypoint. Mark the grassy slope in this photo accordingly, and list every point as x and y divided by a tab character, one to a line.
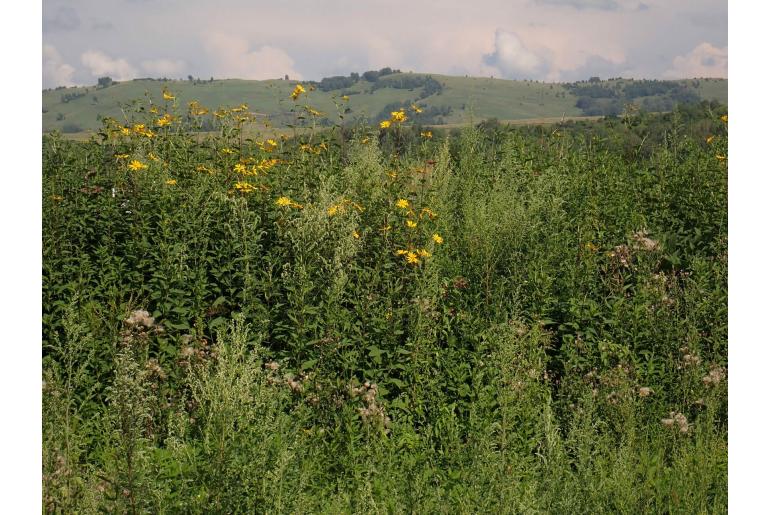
470	98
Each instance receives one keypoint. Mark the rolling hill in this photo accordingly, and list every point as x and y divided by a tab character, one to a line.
443	99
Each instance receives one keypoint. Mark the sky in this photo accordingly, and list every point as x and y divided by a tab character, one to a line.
552	40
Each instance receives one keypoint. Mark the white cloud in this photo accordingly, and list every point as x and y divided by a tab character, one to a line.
232	57
100	64
512	58
705	60
55	71
164	67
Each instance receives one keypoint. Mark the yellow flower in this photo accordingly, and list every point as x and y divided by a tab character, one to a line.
227	150
401	252
426	134
203	168
171	182
416	108
298	90
424	253
336	208
723	118
411	224
167	95
287	202
244	187
438	239
152	157
345	98
398	116
356	234
164	120
57	198
136	165
721	157
709	139
411	258
120	157
384	124
154	109
402	203
385	228
125	131
239	168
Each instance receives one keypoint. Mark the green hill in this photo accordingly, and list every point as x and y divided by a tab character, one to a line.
444	99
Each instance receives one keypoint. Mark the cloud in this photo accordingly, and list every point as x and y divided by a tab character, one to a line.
602	5
55	71
232	57
164	67
65	19
100	64
512	58
705	60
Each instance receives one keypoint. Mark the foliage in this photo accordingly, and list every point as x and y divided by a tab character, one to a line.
358	320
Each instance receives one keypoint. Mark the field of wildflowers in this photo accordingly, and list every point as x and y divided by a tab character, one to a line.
384	319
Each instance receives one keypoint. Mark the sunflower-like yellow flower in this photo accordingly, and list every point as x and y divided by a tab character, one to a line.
402	252
154	109
245	187
239	168
426	134
137	165
416	108
298	90
164	120
287	202
721	157
345	98
384	124
167	95
424	253
438	239
412	259
171	182
710	139
356	235
411	224
120	157
430	214
402	203
398	116
723	118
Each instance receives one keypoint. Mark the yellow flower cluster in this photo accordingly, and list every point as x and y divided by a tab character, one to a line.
287	202
313	150
412	256
141	130
426	134
244	187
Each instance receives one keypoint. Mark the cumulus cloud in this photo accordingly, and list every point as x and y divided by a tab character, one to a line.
64	19
232	57
164	67
705	60
55	71
100	64
512	58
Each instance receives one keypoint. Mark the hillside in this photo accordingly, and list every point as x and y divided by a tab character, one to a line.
444	99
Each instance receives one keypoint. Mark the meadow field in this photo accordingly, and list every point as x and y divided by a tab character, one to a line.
385	319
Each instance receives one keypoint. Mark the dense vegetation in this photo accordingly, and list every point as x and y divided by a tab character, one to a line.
386	320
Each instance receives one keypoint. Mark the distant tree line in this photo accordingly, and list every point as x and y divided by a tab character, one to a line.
608	98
